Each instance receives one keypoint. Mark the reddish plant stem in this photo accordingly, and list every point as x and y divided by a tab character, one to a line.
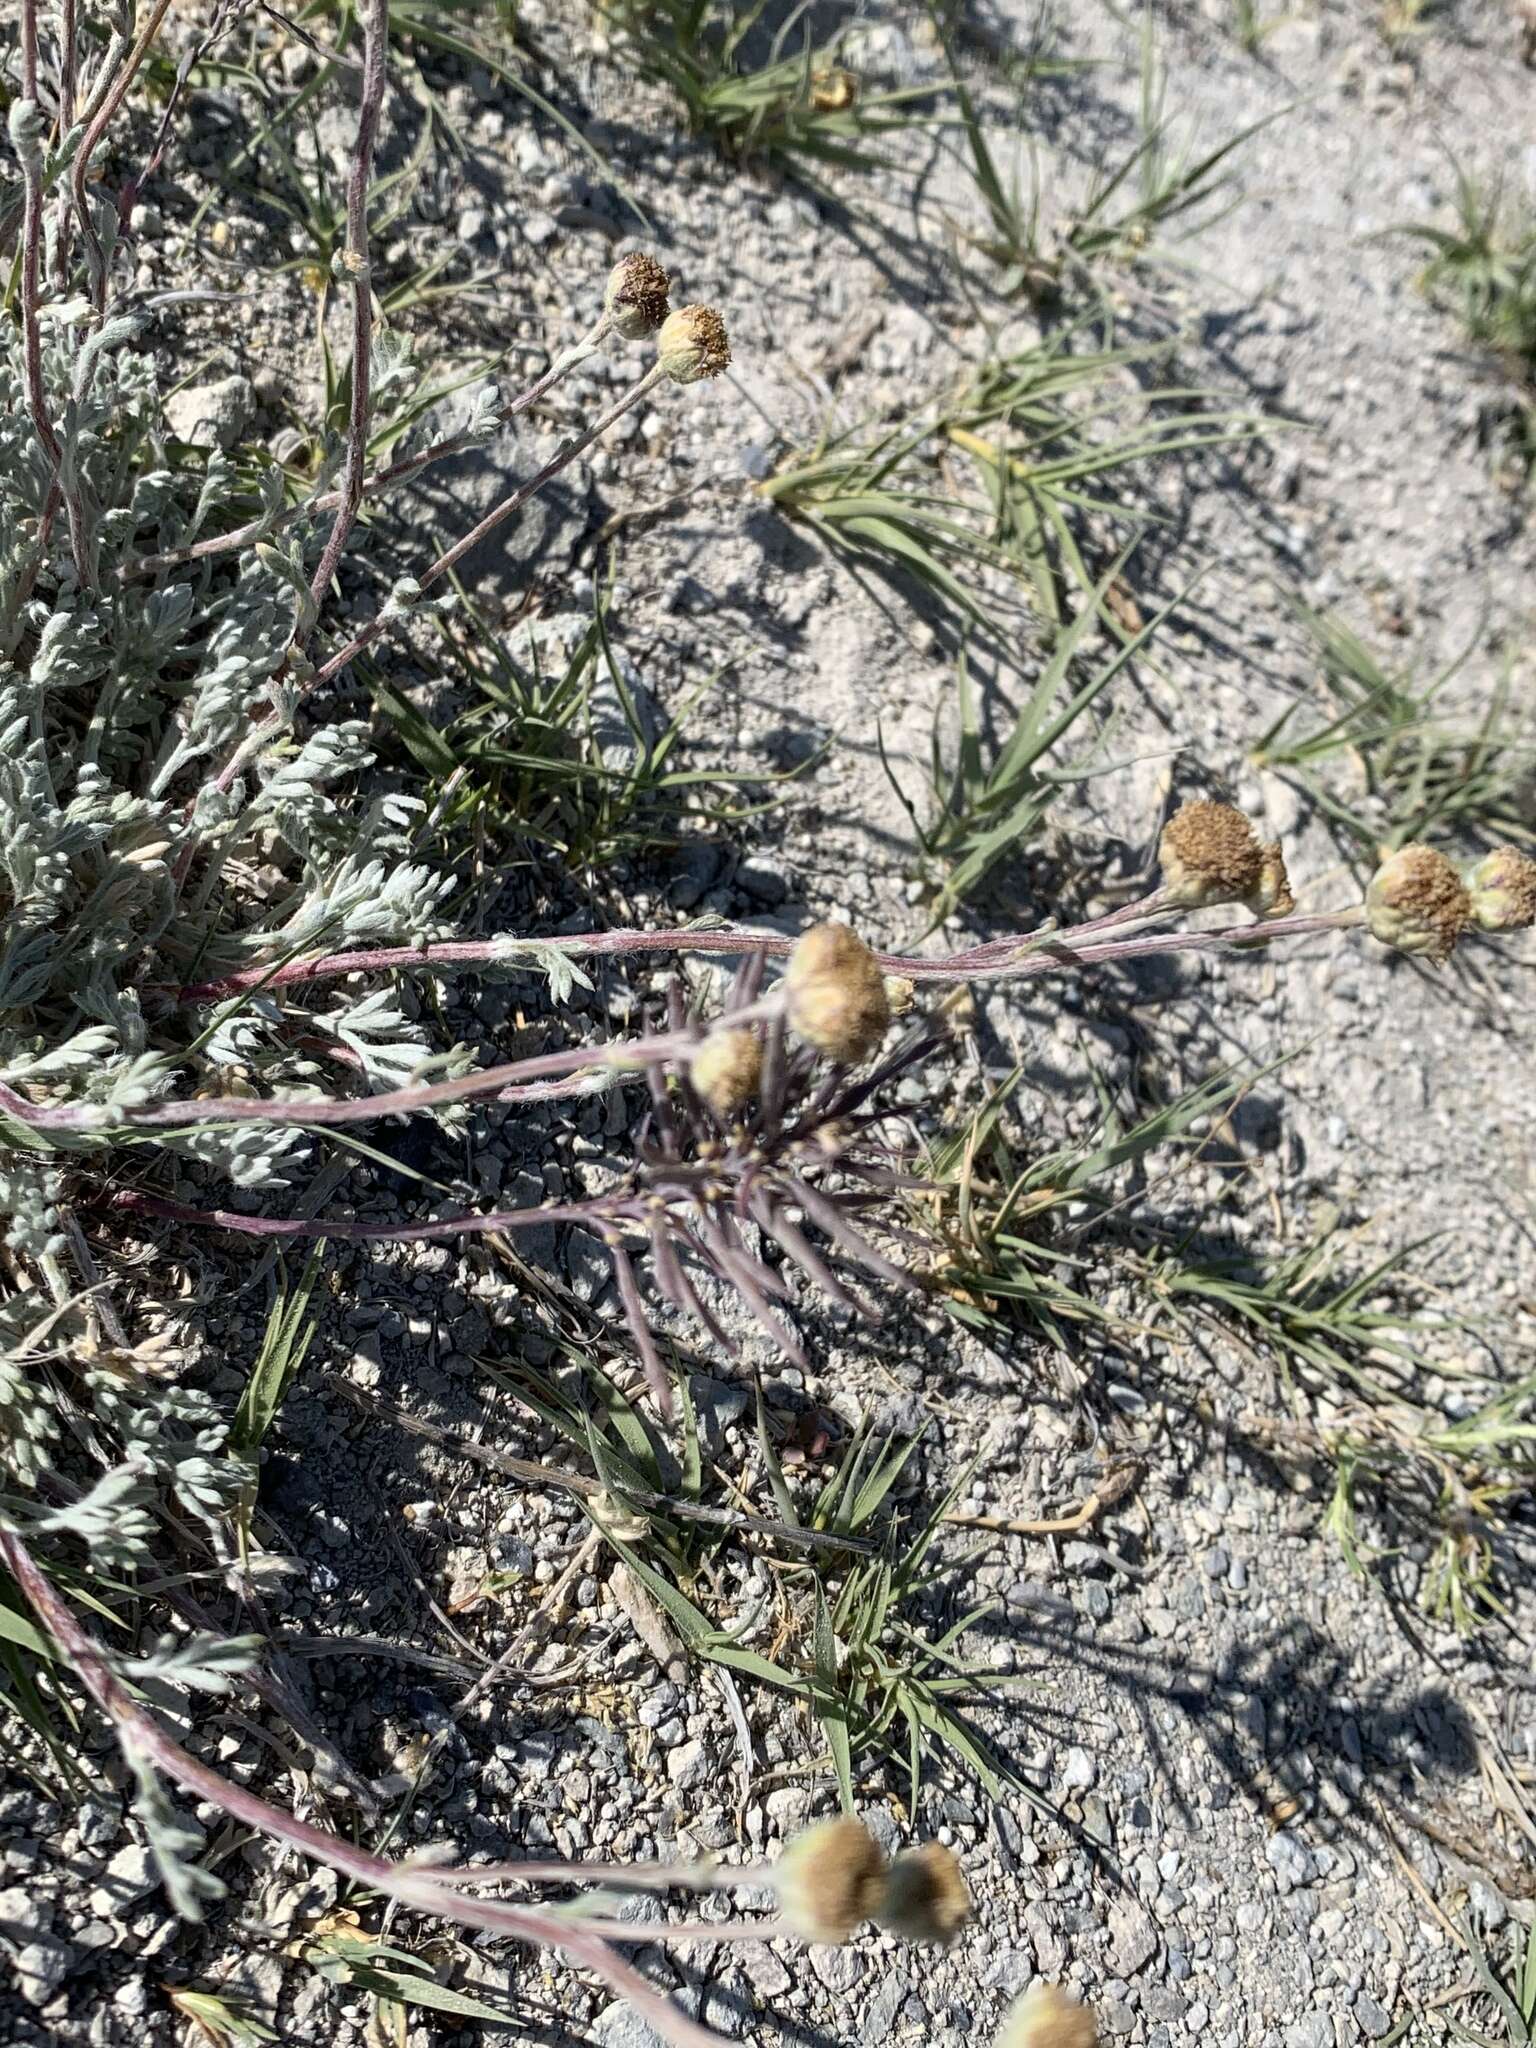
355	258
140	1734
190	60
626	1054
1054	952
69	57
91	140
996	955
357	1233
31	299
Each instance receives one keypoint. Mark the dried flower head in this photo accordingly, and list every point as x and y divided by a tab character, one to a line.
925	1895
1272	896
693	343
837	994
1503	891
635	299
1418	903
1046	2017
727	1069
830	1878
834	91
1209	854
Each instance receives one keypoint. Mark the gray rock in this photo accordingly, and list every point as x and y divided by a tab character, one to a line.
838	1968
1079	1770
41	1968
617	2027
1291	1860
128	1877
448	500
1370	2018
688	1765
212	415
23	1916
1133	1938
1315	2031
1040	1599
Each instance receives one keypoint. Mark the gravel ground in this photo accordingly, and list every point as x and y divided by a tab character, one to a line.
1254	1784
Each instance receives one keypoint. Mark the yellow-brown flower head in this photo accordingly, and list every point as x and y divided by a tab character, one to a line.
1272	896
834	91
836	993
692	344
829	1879
1209	853
1418	903
726	1070
1503	891
925	1895
635	299
1047	2017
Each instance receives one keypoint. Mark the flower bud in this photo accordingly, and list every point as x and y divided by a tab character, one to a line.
1503	891
836	993
1271	896
726	1070
830	1878
693	344
834	91
1209	853
635	298
925	1895
1046	2017
1417	903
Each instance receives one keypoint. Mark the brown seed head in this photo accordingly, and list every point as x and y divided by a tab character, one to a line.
1503	889
1047	2018
830	1878
925	1895
1417	903
836	992
726	1070
692	344
1210	854
1272	896
635	299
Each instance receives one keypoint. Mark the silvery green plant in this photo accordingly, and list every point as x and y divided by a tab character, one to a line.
188	841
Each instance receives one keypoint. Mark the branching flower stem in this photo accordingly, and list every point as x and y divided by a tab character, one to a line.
565	454
499	514
142	1736
1051	947
90	141
398	472
356	261
1054	951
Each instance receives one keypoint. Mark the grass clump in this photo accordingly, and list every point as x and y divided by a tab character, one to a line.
774	99
1013	470
556	751
1165	190
1483	268
1449	1472
1385	766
